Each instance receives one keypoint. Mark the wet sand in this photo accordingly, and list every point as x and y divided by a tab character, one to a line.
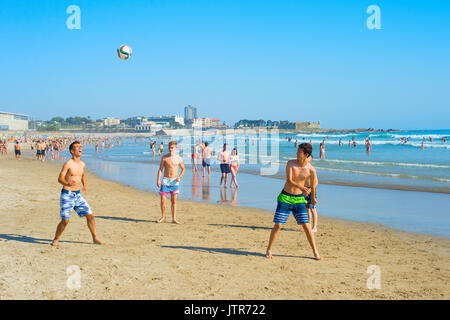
218	252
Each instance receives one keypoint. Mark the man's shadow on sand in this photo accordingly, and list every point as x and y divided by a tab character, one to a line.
251	227
27	239
122	219
232	251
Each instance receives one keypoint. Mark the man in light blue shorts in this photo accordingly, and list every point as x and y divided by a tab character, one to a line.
169	186
170	164
71	177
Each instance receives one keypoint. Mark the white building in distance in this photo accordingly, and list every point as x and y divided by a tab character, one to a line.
13	121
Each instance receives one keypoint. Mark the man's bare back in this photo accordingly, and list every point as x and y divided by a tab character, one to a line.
207	152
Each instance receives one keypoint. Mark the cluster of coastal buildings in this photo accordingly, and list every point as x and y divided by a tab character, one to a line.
19	122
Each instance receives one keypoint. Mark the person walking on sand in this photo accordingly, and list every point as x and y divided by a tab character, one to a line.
224	159
170	163
71	176
292	197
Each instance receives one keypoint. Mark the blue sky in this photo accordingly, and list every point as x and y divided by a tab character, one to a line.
279	60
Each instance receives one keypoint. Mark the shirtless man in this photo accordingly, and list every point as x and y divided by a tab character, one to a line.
198	150
161	149
206	156
292	197
71	177
224	158
17	151
39	151
171	181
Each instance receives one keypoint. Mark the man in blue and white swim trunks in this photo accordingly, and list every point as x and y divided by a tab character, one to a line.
71	177
170	183
292	197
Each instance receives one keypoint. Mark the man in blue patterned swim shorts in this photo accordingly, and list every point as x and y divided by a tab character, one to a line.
71	177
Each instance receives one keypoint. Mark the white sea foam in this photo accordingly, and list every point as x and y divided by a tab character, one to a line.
381	174
401	164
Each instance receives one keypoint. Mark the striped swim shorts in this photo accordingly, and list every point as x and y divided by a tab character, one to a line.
288	203
73	200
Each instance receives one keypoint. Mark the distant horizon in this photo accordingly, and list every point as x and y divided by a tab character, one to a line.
232	124
228	124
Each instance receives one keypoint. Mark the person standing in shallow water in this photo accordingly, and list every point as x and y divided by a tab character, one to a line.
322	150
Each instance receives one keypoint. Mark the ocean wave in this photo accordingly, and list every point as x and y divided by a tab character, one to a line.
382	174
401	164
324	135
418	136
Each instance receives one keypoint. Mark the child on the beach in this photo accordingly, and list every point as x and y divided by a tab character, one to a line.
71	177
170	181
292	197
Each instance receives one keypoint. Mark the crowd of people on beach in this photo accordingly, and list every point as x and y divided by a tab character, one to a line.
297	196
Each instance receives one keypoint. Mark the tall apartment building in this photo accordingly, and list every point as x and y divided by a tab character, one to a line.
190	113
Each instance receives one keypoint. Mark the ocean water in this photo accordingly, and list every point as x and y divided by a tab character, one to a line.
390	163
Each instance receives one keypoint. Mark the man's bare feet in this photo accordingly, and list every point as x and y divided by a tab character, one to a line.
55	243
98	241
317	256
161	220
269	254
175	221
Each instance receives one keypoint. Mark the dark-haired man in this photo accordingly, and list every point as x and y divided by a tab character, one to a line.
224	159
292	197
71	177
206	158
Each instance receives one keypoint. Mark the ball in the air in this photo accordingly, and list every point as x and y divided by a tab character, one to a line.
124	52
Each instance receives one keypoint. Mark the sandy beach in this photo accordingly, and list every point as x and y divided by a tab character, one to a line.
217	252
